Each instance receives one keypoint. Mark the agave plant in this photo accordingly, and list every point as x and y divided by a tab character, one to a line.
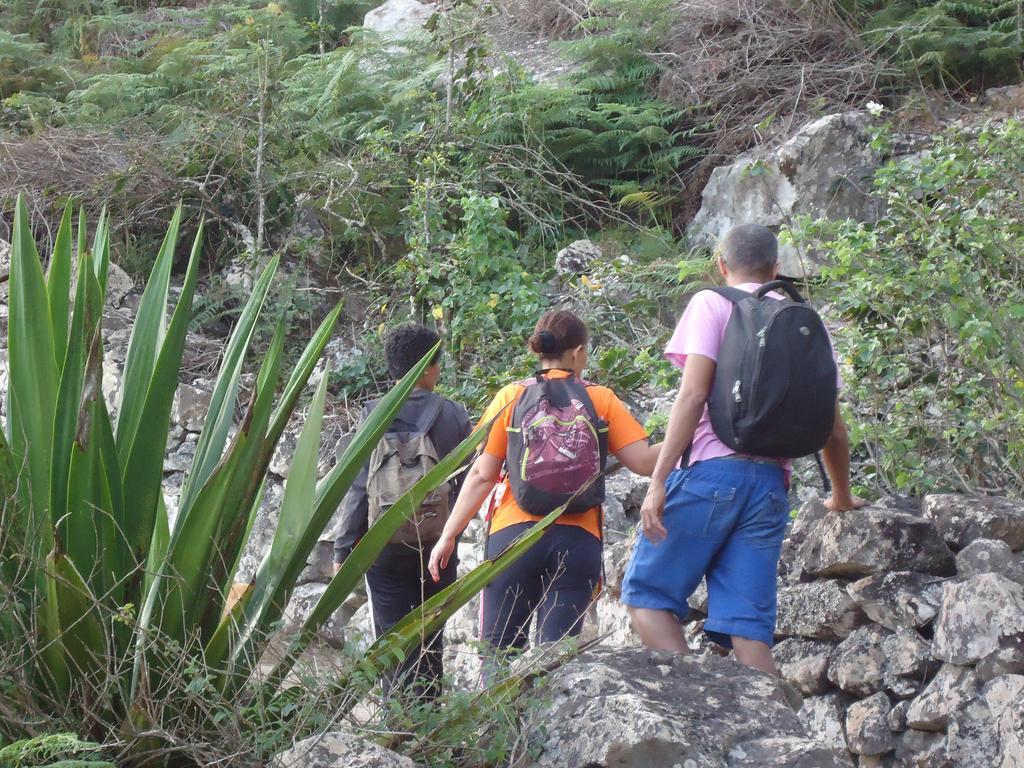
108	608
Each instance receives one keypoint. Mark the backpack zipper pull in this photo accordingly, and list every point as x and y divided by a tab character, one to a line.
737	396
760	335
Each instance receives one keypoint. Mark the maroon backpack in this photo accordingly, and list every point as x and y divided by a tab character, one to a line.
556	445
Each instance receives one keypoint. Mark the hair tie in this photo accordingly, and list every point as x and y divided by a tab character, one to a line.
548	342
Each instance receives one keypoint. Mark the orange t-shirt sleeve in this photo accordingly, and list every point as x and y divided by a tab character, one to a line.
497	441
623	428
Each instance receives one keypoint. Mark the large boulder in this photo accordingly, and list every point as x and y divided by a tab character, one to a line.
825	170
867	726
908	662
303	600
978	617
951	689
577	258
825	717
398	19
962	519
989	556
819	610
874	540
898	600
341	749
804	664
989	729
858	664
634	708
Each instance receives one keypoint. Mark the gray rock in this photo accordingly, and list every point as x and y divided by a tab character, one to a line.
819	610
858	663
867	726
898	600
629	490
341	749
633	708
1005	699
978	617
824	717
825	170
804	664
951	688
398	19
616	527
908	663
790	751
1008	660
874	540
989	556
962	519
897	717
262	533
319	565
577	258
191	402
303	601
180	459
1007	98
119	285
920	749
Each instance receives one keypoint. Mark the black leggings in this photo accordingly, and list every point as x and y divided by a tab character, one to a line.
556	578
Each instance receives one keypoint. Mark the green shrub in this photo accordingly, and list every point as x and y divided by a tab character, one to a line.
931	298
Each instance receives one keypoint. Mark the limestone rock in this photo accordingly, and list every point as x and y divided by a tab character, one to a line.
825	171
898	600
897	717
320	564
920	749
819	610
191	402
962	519
304	599
341	749
398	19
867	726
262	533
804	664
908	663
577	258
611	617
979	617
630	490
874	540
825	716
989	556
858	663
790	751
951	688
633	708
119	285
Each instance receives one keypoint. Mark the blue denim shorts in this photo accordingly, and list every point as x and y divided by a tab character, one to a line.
726	519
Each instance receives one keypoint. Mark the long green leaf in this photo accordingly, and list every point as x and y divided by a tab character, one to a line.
296	509
101	251
371	545
143	467
58	286
330	492
81	629
179	592
225	392
145	343
32	378
85	325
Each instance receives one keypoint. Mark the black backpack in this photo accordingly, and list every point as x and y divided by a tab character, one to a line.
775	389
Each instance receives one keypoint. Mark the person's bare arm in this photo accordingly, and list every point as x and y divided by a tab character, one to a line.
836	456
639	457
481	479
698	375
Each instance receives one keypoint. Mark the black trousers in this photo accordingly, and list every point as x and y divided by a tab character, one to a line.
398	583
555	579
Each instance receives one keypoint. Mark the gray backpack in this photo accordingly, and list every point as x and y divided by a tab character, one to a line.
397	463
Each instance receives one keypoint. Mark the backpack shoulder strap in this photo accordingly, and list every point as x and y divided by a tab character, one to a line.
429	415
735	295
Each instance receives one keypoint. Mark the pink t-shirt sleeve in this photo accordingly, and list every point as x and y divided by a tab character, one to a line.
700	329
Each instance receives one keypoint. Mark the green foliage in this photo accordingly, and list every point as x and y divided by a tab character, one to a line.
57	750
932	302
953	42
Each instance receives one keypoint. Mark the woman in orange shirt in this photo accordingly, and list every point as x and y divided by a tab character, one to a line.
558	576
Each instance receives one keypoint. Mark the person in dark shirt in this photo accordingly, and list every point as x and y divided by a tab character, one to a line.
397	582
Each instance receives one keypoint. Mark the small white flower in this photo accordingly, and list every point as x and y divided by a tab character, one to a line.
874	108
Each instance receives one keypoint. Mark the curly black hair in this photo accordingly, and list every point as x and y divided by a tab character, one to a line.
406	345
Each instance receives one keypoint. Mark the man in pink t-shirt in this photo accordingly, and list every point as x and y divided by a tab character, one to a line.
723	517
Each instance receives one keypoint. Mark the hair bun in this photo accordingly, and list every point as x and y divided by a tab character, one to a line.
545	343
